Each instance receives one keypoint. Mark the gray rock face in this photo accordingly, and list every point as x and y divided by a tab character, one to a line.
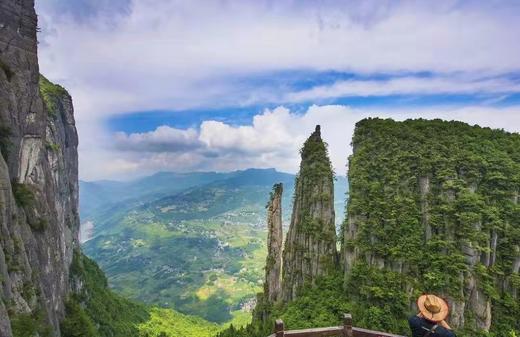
39	219
310	246
471	293
273	266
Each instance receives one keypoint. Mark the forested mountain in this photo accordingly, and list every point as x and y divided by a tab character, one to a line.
101	200
101	195
433	207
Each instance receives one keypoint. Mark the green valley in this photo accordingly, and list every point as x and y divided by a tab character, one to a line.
193	242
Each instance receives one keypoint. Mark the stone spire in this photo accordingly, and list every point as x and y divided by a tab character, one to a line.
273	265
310	247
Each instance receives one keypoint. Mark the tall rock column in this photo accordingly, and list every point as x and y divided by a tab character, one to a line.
273	265
310	247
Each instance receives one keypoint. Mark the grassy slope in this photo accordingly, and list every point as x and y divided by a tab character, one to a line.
166	322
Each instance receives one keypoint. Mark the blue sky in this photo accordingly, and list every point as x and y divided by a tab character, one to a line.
224	85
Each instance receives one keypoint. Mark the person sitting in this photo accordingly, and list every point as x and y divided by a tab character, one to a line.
430	321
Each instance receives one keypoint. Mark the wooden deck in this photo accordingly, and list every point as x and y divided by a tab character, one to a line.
346	330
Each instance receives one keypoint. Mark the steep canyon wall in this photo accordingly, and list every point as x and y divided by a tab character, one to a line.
39	219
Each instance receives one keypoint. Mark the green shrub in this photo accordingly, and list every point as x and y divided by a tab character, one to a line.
76	323
23	194
39	225
29	325
5	142
51	94
54	147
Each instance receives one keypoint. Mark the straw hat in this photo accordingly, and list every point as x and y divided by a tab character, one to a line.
433	308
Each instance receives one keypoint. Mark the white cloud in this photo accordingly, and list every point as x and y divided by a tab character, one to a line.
143	55
273	139
407	86
264	135
181	54
163	139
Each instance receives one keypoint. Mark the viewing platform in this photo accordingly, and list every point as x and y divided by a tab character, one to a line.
346	330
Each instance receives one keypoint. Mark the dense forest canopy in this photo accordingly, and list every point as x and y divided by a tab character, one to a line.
433	207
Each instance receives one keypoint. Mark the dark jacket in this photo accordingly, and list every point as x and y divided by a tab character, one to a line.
420	327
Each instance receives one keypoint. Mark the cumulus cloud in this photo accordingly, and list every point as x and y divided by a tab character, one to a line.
264	135
272	139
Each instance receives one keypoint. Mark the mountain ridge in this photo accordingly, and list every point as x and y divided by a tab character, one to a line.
88	193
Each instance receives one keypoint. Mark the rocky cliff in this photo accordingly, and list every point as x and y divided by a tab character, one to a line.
310	246
273	265
38	182
434	208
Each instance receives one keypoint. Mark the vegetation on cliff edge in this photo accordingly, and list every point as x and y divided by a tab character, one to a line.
51	94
